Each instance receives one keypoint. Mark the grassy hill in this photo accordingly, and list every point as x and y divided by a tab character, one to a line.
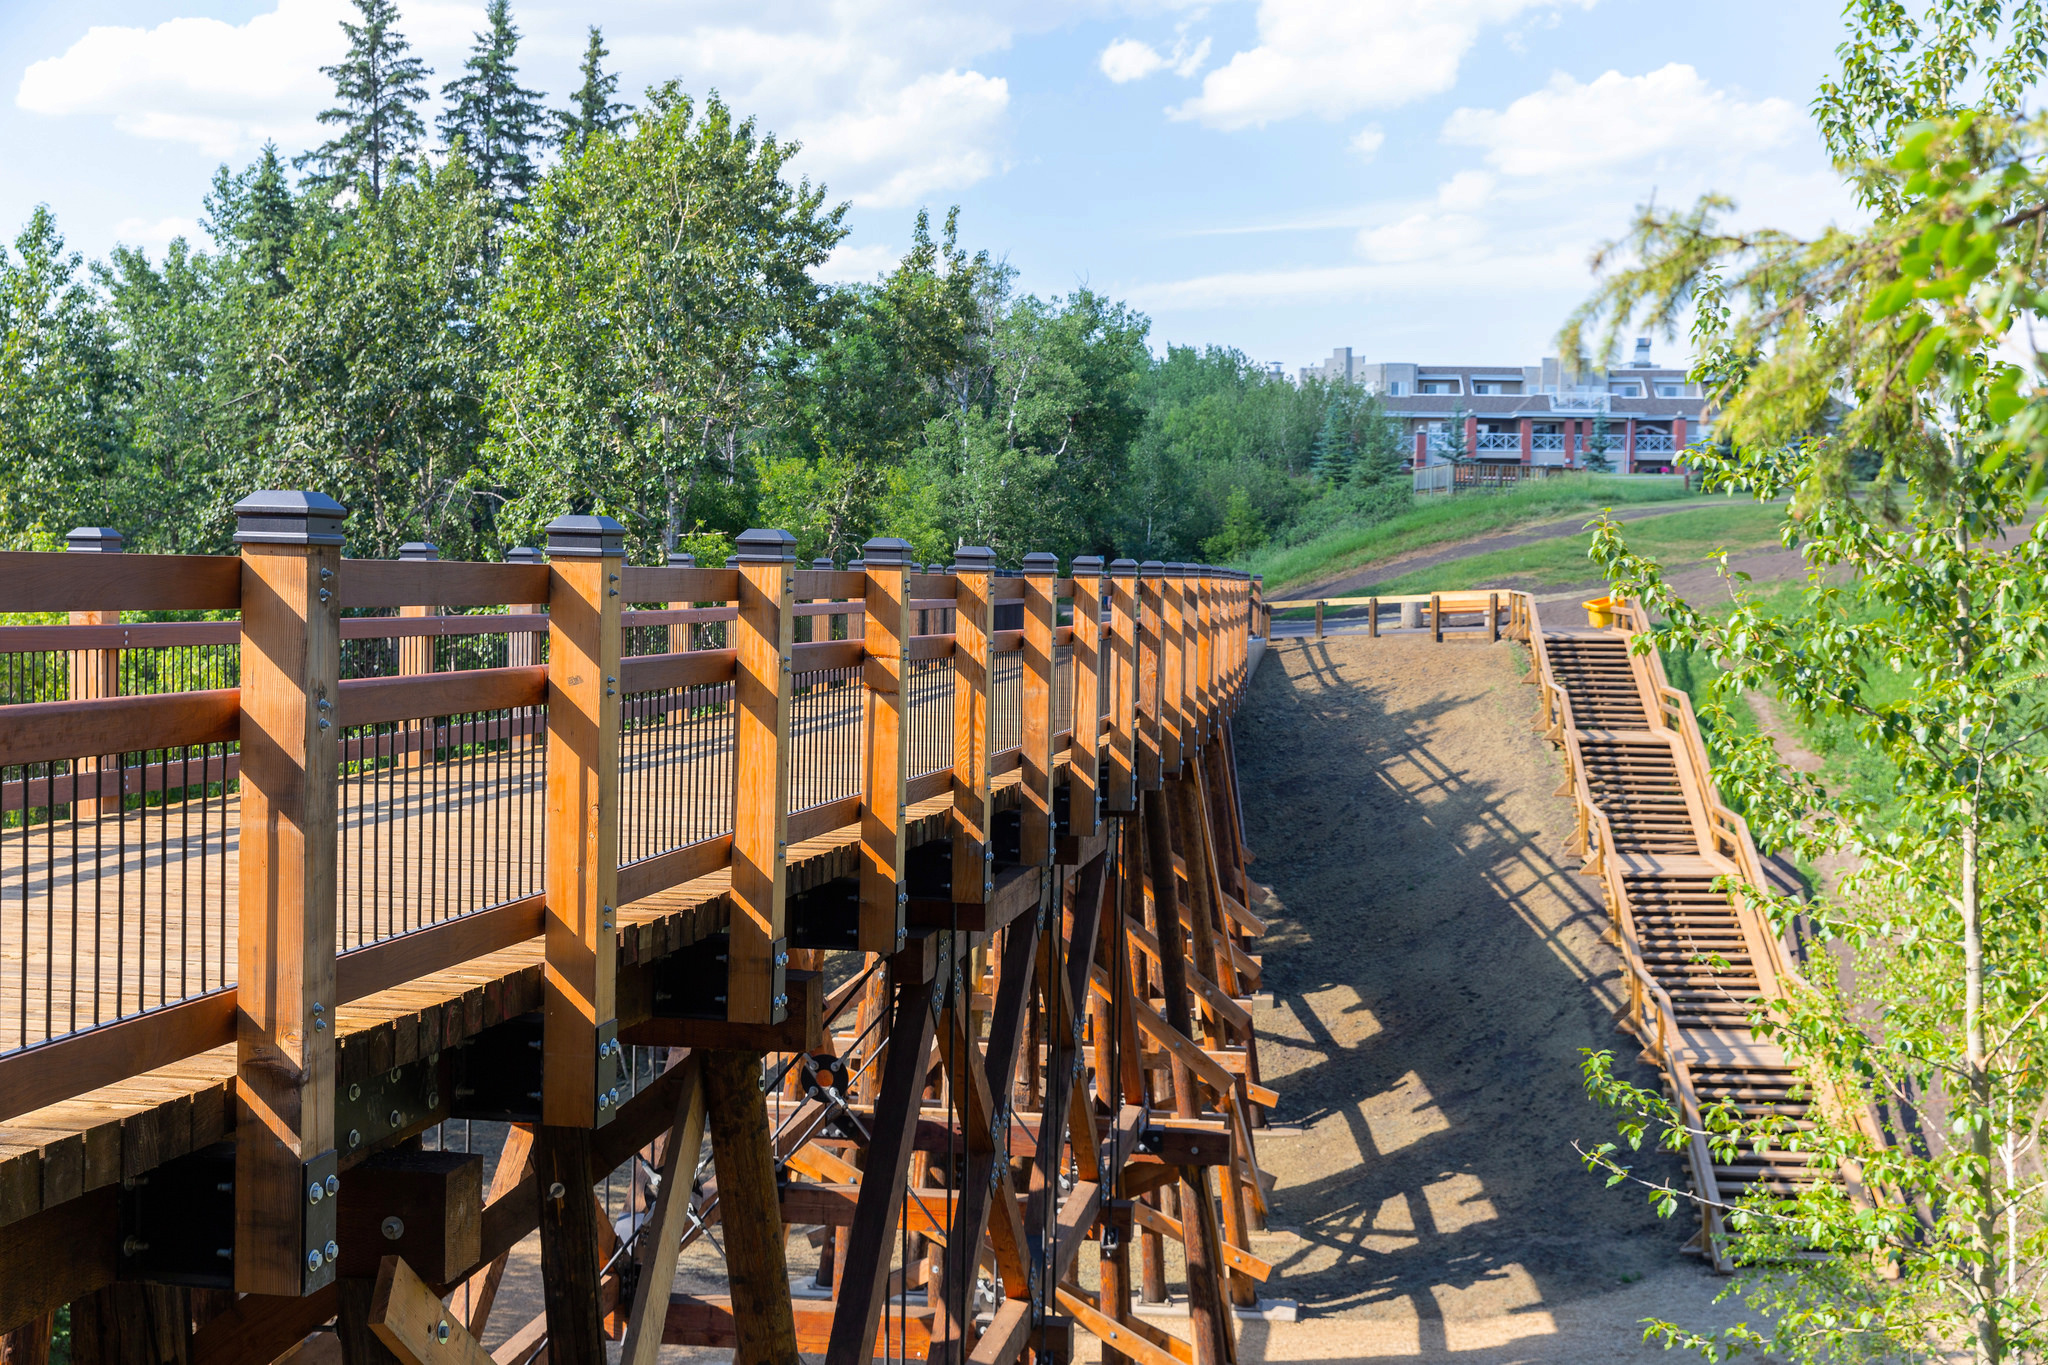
1439	520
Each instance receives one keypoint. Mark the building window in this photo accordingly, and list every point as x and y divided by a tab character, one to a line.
1438	386
1671	390
1625	390
1397	388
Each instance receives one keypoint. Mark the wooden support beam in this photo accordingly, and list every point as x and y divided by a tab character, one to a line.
661	1238
1174	639
864	1272
973	807
1084	745
1120	770
581	1074
424	1206
1150	720
1035	831
744	1154
886	748
763	641
286	999
480	1291
409	1318
570	1259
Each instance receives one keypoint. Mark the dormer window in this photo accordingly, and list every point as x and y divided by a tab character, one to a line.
1671	390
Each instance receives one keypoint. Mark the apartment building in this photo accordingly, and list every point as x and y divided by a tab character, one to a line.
1535	414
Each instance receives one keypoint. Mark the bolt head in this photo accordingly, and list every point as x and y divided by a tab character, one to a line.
315	1192
333	1251
333	1186
313	1261
393	1228
555	1191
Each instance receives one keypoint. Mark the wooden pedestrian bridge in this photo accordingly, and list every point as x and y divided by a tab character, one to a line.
904	904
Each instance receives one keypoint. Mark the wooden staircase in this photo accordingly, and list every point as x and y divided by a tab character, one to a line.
1652	827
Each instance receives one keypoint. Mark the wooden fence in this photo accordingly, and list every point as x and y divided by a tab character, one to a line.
346	779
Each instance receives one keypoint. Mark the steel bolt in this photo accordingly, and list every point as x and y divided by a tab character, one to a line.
555	1191
314	1193
333	1186
333	1251
441	1332
312	1260
393	1228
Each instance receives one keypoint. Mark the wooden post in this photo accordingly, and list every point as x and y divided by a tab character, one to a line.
1204	653
886	751
583	1069
1265	613
1319	620
1174	639
522	647
1436	617
1493	616
1151	644
416	652
1035	831
1372	611
1120	777
681	639
742	1151
757	957
661	1238
1084	743
286	1173
570	1264
973	809
94	673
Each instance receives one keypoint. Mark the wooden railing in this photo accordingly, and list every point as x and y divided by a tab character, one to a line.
193	896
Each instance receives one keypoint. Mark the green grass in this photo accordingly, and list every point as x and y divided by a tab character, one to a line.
1439	520
1678	540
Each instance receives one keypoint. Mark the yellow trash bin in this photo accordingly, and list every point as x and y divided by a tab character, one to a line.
1600	612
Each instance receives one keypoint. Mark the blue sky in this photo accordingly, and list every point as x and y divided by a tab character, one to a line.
1419	181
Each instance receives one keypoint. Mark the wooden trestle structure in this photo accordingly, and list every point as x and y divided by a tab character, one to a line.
752	898
1653	829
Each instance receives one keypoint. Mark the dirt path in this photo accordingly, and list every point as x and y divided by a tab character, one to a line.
1355	580
1438	963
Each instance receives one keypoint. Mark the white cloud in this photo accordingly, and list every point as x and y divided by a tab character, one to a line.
1567	128
222	87
1368	140
1465	191
1335	57
1127	59
850	264
940	131
883	93
1519	275
155	236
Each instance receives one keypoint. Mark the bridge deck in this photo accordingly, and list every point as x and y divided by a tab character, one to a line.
65	1150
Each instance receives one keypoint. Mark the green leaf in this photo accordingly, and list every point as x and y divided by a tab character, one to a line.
1889	300
1925	354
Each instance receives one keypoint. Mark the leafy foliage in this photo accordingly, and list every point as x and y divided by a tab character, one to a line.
1892	342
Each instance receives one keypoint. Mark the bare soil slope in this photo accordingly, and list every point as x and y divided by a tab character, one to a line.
1438	963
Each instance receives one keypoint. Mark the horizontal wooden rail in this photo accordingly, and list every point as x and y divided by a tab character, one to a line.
692	668
374	701
42	732
437	627
146	635
676	583
33	581
438	583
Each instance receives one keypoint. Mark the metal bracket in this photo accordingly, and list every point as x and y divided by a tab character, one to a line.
321	1182
611	1072
373	1111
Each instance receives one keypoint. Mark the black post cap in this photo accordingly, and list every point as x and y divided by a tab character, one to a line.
887	552
681	559
1039	564
93	540
1152	568
1124	568
1086	566
973	559
523	554
278	516
766	546
822	562
856	565
585	537
419	549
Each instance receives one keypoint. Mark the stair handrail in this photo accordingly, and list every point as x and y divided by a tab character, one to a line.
1650	1009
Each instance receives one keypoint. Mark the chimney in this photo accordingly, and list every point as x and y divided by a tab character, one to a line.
1642	361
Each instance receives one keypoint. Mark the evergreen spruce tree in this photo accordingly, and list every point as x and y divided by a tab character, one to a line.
252	218
591	110
495	119
1598	444
1451	445
377	89
1330	457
